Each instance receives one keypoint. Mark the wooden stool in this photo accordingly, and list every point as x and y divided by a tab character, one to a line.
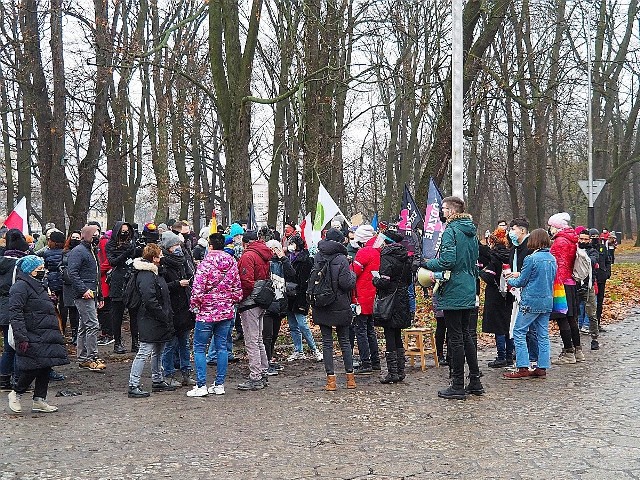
419	350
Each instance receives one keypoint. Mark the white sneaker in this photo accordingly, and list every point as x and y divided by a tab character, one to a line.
216	389
318	355
198	391
585	330
40	405
296	356
14	402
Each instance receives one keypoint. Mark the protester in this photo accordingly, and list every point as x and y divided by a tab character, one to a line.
563	248
496	317
366	260
67	304
155	324
84	277
393	279
338	314
120	252
298	307
611	242
536	302
253	266
281	273
173	268
458	254
603	273
16	248
586	290
36	334
104	314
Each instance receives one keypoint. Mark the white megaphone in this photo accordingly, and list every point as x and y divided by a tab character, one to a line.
428	278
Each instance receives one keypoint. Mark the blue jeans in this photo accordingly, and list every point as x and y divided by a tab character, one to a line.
583	318
367	341
505	347
540	324
412	298
178	344
145	351
8	360
212	356
299	327
201	338
532	344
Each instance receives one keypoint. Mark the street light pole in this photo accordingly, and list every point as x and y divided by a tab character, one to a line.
591	210
457	74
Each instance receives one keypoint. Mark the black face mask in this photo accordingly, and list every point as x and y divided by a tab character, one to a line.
443	219
124	235
40	275
584	245
95	241
595	242
74	243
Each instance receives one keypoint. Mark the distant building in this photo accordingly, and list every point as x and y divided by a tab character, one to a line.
261	200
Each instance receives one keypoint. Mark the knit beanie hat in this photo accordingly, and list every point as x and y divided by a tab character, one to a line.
249	236
29	263
559	220
235	229
335	235
57	237
16	241
274	244
364	233
169	239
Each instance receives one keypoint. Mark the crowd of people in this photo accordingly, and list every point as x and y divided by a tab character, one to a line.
184	294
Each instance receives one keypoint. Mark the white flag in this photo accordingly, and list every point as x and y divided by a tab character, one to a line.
326	209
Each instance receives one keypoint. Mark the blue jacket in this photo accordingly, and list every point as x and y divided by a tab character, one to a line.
536	280
83	270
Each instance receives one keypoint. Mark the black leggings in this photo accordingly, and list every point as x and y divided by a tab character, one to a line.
441	332
569	331
72	313
393	338
270	330
600	300
105	319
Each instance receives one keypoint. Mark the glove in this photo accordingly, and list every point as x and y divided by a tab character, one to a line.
54	298
22	347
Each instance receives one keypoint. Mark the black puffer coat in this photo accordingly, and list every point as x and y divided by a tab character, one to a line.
7	276
52	261
343	280
395	275
155	317
118	253
302	264
173	269
497	307
34	320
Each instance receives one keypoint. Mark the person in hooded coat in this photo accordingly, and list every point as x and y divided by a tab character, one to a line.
496	317
155	323
458	254
66	302
16	248
36	333
338	314
394	279
120	250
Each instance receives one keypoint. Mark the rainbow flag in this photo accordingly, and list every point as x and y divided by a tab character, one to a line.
559	298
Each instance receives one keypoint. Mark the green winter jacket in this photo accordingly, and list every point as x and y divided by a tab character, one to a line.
458	253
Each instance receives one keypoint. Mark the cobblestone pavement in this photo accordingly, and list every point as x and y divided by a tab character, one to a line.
583	421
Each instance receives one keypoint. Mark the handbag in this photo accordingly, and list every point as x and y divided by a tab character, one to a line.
383	306
559	298
264	293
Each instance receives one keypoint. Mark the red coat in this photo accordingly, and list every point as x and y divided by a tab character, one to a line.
366	260
104	266
253	265
564	246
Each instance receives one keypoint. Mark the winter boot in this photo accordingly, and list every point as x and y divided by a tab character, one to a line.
392	368
331	383
351	380
401	361
578	354
453	393
565	358
474	387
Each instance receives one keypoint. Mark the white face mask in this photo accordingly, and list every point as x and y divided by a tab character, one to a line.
291	247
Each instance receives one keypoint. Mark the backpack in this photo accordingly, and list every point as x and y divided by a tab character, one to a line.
581	265
131	296
320	292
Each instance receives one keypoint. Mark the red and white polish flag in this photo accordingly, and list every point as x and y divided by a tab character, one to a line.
18	218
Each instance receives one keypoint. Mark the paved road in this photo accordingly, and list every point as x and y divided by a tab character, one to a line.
583	421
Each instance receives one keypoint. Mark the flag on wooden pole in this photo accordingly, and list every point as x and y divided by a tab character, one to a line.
18	218
213	225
